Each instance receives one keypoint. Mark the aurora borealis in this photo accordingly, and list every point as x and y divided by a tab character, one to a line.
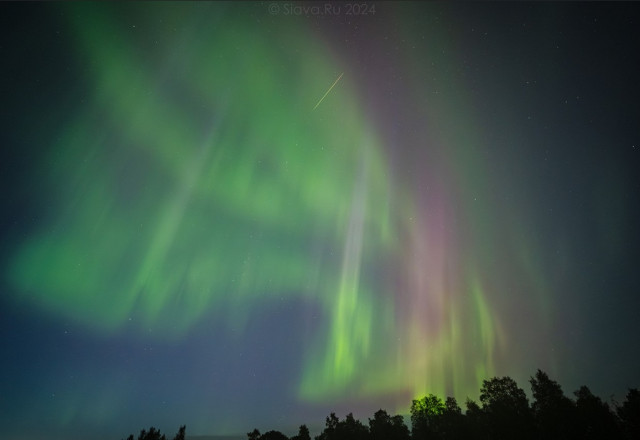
239	215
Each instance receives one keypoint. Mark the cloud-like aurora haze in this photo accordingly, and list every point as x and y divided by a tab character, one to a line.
201	178
197	181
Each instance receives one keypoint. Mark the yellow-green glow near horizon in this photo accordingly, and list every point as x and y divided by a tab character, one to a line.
202	179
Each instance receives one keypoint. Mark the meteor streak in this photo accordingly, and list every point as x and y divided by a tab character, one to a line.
327	92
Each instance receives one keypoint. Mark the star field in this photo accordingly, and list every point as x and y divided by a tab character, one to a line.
229	216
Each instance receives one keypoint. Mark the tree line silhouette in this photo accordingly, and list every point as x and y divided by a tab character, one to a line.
503	413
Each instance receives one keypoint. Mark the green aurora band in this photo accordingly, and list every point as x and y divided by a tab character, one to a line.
201	180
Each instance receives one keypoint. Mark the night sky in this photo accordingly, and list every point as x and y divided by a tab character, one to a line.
238	216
